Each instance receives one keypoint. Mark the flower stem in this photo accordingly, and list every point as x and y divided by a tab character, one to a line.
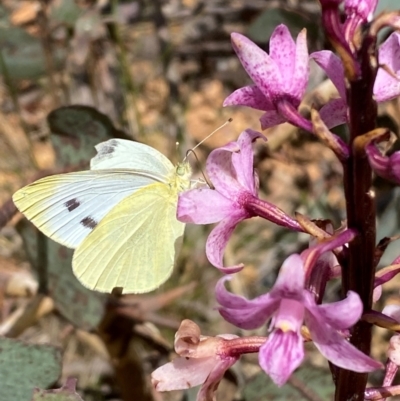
358	273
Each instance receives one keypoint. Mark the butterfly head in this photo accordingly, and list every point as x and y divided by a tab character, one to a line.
183	172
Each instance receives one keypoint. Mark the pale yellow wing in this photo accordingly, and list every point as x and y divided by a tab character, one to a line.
67	207
135	245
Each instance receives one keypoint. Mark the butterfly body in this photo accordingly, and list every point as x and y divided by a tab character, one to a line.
120	216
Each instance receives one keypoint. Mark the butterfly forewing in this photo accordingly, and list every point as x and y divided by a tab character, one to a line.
134	246
124	154
67	207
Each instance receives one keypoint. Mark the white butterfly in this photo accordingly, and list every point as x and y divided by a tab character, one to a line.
120	216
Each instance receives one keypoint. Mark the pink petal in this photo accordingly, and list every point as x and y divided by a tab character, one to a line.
290	281
363	8
379	163
243	162
203	206
392	311
251	317
395	166
333	67
207	390
270	119
281	355
182	373
221	171
249	96
302	69
218	238
242	312
289	316
334	113
261	68
282	50
387	87
377	293
340	315
337	349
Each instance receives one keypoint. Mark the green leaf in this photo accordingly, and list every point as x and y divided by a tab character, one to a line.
314	379
75	132
82	307
25	366
65	393
65	11
21	53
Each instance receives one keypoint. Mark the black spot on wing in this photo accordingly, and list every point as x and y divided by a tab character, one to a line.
72	204
109	147
88	222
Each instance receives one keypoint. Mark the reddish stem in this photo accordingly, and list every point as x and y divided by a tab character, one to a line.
358	273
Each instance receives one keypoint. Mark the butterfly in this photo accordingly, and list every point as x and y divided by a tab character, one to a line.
119	216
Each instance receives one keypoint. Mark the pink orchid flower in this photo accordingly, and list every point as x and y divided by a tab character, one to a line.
288	304
386	86
280	77
387	167
230	169
358	12
362	9
202	360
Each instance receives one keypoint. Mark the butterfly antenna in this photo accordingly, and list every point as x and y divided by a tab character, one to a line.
208	136
201	170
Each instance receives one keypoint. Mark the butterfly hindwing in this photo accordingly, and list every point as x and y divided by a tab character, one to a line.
134	246
67	207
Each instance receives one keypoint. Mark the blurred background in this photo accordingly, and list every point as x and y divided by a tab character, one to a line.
75	73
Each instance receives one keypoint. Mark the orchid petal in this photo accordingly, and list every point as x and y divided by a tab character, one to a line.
395	166
249	96
333	67
340	315
203	206
270	119
182	373
282	50
362	8
242	312
218	238
228	299
290	281
261	68
334	113
386	86
301	70
337	349
243	161
281	355
221	171
393	311
209	387
251	317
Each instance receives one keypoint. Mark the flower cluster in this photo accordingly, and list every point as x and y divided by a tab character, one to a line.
293	311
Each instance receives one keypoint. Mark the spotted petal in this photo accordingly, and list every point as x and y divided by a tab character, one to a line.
249	96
